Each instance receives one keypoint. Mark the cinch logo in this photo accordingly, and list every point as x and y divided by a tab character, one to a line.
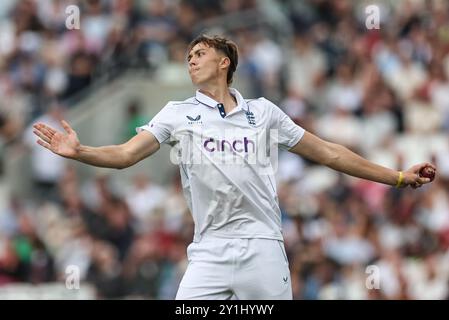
237	145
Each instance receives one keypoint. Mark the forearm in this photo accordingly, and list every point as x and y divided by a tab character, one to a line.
107	156
348	162
342	159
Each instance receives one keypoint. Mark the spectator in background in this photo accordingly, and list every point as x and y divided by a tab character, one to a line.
134	118
9	129
46	169
80	75
105	271
144	197
172	71
306	66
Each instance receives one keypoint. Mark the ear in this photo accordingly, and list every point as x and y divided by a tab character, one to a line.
225	62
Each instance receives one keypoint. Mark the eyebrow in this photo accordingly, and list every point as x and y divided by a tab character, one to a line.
196	51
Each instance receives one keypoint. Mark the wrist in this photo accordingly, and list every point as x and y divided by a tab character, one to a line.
78	152
400	180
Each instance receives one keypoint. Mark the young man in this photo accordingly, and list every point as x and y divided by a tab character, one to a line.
238	249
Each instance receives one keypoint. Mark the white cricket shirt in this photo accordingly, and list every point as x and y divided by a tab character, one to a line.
228	162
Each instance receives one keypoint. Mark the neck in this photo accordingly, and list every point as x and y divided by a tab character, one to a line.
221	94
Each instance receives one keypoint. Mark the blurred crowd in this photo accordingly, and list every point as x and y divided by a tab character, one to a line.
383	93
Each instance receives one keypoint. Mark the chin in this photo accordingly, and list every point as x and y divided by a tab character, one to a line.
197	83
194	80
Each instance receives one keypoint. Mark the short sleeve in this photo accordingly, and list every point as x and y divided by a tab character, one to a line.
289	133
161	126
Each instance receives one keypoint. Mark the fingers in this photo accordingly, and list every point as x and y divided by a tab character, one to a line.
41	126
418	167
415	180
47	133
422	180
44	144
419	182
66	126
43	134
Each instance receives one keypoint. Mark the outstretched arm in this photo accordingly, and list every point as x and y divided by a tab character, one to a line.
342	159
67	144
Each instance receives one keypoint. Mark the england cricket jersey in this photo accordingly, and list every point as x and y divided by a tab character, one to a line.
228	162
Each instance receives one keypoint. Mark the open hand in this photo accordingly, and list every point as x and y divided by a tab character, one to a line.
65	144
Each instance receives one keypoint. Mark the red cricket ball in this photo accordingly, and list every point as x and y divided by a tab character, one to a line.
427	172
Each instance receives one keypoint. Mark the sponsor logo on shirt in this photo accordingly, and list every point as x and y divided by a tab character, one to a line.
195	120
238	145
233	146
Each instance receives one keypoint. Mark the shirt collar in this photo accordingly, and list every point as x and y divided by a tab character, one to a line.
204	99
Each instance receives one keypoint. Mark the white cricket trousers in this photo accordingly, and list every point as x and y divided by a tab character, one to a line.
243	269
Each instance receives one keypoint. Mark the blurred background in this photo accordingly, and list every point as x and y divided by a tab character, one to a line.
383	93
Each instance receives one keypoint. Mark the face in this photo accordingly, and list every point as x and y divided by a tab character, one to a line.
206	64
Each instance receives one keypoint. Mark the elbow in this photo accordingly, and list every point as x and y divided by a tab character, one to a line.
126	163
125	157
122	166
126	160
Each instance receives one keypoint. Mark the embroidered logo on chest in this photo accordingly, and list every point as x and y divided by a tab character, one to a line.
195	120
250	117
